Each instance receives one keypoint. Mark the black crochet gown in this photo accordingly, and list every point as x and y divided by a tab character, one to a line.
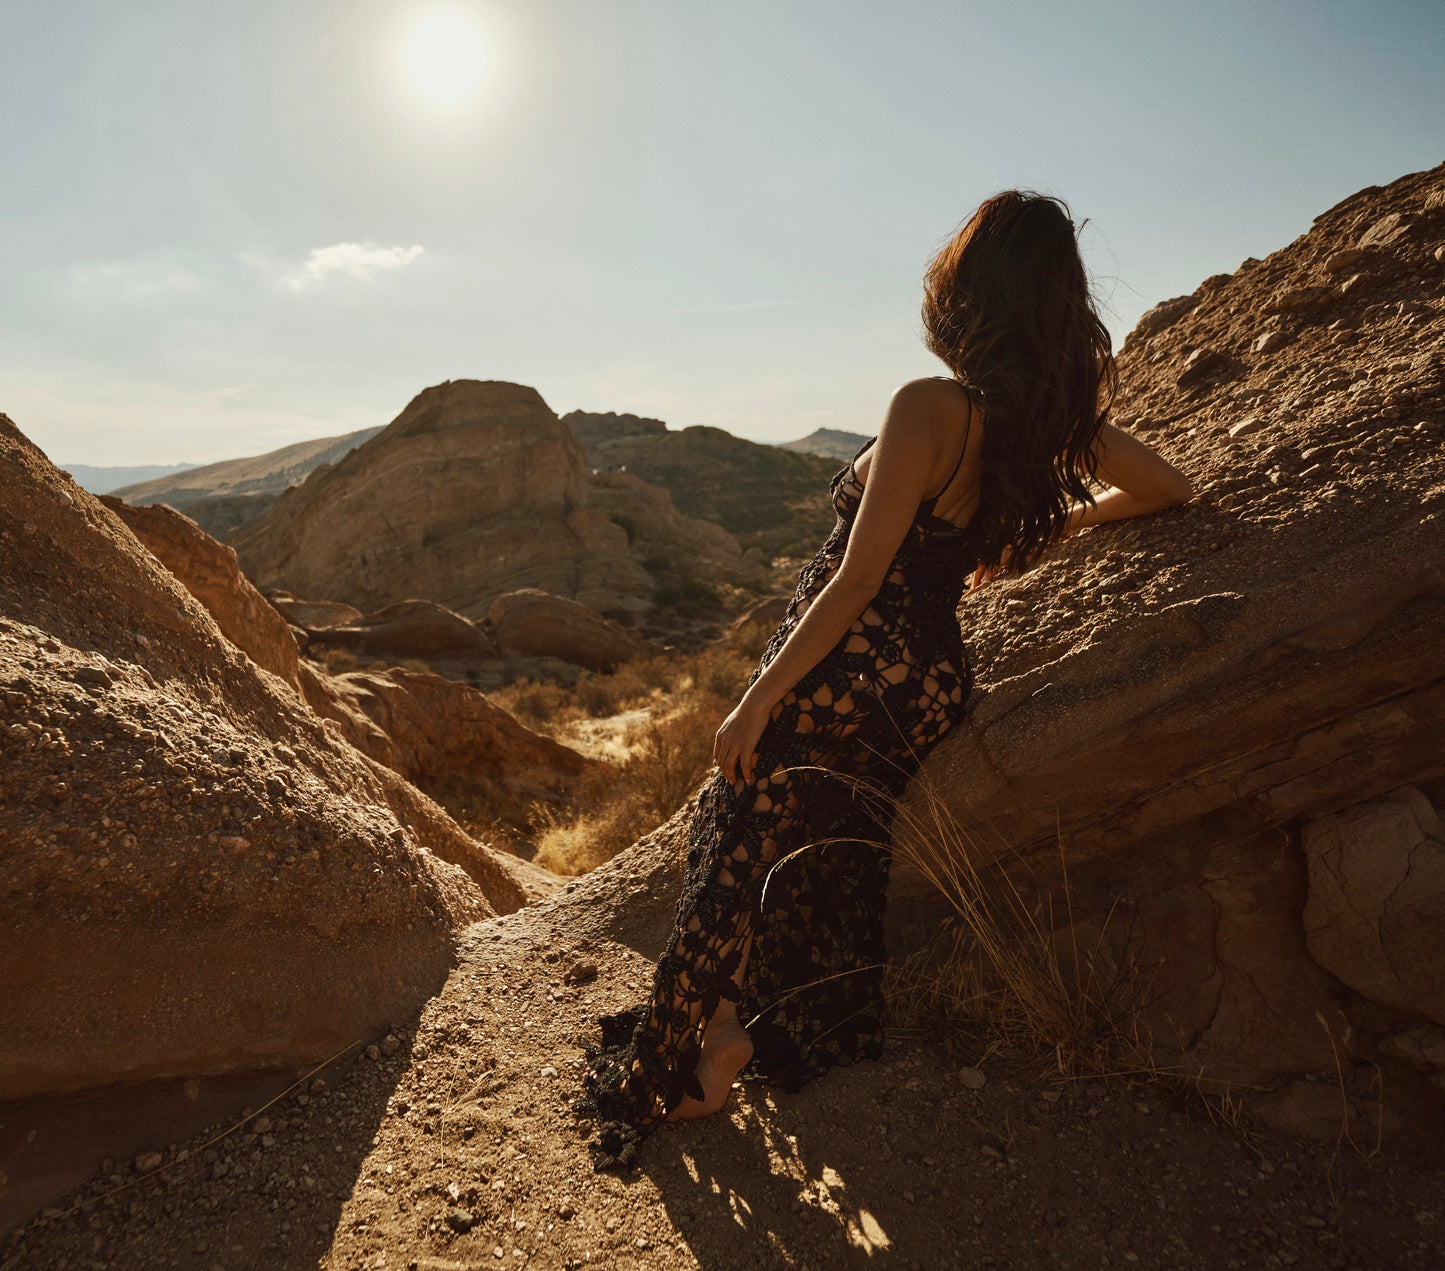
799	860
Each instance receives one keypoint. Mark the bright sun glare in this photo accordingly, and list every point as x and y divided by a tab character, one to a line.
445	57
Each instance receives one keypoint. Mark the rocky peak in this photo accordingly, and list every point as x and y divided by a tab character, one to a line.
474	490
484	407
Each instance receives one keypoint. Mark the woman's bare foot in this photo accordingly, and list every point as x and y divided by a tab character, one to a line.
726	1050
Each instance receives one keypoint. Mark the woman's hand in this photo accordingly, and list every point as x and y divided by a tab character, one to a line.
985	574
735	748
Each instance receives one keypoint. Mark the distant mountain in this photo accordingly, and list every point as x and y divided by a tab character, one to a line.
831	443
104	480
225	497
772	498
477	489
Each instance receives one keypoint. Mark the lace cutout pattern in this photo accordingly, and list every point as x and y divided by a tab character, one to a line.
794	861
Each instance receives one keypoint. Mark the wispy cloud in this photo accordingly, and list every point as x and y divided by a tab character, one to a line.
351	260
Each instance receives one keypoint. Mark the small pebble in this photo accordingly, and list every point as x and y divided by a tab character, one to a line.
461	1220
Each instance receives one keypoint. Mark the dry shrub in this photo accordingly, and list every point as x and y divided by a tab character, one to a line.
618	804
1026	974
339	661
540	704
548	706
665	757
750	639
487	810
1017	972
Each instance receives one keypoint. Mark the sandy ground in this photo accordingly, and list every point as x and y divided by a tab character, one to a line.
458	1149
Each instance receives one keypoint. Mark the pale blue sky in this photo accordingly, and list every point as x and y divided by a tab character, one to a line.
711	211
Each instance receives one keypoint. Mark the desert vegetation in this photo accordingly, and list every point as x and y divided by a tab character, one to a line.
650	724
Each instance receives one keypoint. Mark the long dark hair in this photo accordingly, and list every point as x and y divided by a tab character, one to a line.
1006	305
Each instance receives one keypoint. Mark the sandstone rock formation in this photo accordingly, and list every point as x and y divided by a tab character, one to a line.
768	612
197	875
475	489
313	615
668	543
532	623
208	570
768	497
412	629
1167	705
447	738
1376	902
228	496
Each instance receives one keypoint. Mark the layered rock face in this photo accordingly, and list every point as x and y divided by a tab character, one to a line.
475	489
667	542
532	624
209	571
411	629
443	736
197	874
1169	705
769	498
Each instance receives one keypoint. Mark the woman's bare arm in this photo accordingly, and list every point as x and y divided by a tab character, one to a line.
922	425
1140	481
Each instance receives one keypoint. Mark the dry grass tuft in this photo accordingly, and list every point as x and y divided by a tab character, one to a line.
549	707
1059	990
339	661
651	723
1021	972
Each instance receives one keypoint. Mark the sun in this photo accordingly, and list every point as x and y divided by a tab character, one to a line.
446	57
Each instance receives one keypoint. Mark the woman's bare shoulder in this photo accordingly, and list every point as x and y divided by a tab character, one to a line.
935	391
930	411
931	401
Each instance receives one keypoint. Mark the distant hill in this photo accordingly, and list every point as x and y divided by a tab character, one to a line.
104	480
831	443
772	498
225	497
475	490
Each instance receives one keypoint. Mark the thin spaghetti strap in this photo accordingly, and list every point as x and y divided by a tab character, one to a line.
963	450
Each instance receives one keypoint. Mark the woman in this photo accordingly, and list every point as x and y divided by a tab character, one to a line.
780	922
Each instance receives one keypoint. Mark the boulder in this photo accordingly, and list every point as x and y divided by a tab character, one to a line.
1376	909
313	615
447	737
767	612
1325	1113
1163	316
1164	706
532	623
197	874
474	490
209	571
412	629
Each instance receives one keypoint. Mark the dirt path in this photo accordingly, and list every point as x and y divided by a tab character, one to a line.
459	1150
